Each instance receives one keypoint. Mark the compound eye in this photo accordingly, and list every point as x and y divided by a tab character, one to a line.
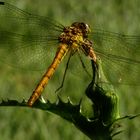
82	25
85	27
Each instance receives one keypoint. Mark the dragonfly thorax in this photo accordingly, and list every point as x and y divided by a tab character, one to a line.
76	38
74	34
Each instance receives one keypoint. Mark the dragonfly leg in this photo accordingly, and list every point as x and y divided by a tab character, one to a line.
65	72
83	65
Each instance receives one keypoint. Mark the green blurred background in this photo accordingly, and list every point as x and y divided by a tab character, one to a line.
20	123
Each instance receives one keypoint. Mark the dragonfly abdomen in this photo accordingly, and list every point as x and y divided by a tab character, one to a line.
62	50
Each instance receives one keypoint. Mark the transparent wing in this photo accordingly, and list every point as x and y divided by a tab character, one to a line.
120	56
17	50
27	41
22	20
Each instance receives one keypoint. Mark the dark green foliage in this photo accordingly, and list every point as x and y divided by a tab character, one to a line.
102	126
96	127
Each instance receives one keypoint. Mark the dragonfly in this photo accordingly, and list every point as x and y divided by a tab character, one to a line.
119	53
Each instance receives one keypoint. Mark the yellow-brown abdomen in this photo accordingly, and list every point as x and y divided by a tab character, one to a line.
62	50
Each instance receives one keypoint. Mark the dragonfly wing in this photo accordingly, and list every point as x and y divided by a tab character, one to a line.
27	41
14	19
120	56
20	51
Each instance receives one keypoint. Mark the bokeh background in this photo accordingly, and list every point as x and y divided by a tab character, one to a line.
16	83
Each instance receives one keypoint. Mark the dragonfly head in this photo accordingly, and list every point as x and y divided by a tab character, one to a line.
83	27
